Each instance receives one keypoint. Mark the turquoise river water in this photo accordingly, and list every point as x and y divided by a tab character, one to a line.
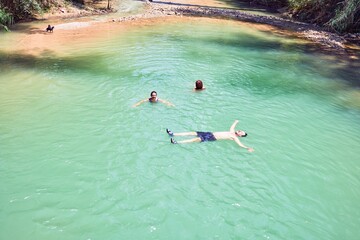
77	161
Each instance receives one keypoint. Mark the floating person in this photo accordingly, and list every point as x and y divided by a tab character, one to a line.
50	28
199	85
212	136
154	99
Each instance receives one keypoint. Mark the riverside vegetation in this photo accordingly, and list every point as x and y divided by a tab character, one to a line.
337	16
13	11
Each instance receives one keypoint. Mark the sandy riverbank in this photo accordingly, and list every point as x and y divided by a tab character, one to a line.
155	11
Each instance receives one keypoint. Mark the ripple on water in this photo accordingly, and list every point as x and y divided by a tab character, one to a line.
77	154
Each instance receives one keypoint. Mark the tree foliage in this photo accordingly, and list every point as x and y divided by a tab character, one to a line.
21	9
336	15
347	17
5	19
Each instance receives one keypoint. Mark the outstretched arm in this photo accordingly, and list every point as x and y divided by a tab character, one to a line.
142	101
242	145
232	128
166	102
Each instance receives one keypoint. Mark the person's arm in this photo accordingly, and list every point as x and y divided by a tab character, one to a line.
242	145
232	128
166	102
141	102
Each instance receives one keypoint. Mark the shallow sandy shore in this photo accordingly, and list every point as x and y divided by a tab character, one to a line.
179	10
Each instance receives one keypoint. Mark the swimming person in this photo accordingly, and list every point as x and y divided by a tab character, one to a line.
153	99
199	85
212	136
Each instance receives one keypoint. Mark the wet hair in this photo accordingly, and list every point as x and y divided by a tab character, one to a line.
152	93
245	134
198	84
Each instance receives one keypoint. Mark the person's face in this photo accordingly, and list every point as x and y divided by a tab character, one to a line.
240	133
153	95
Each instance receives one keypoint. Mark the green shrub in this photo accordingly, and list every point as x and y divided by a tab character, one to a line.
336	15
347	17
25	8
6	19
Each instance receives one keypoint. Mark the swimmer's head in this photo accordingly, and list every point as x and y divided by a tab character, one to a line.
153	94
240	133
199	84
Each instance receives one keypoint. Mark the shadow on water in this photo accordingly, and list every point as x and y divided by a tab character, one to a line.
343	66
49	61
96	63
340	66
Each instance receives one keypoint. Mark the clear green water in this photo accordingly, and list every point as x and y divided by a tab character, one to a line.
78	162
